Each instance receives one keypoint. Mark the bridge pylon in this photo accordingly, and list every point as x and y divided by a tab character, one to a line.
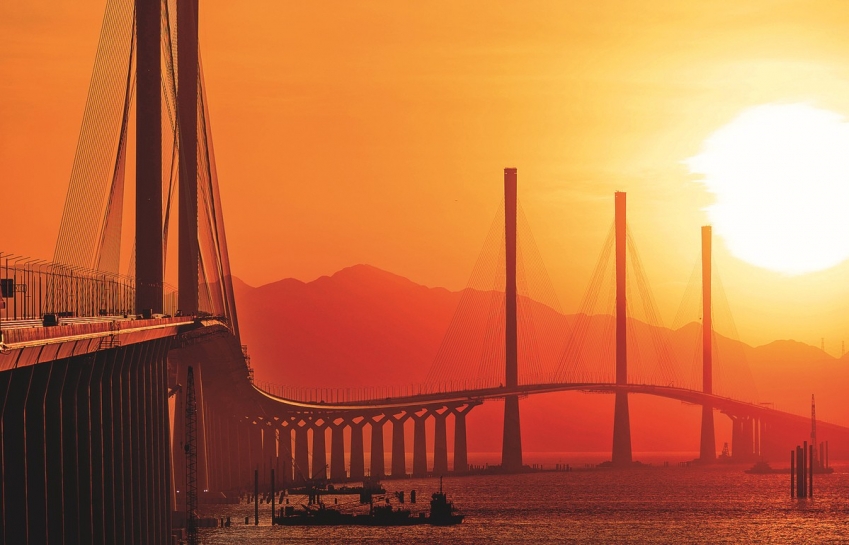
707	450
511	449
621	418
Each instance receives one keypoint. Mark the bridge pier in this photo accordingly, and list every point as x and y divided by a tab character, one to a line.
337	451
461	455
440	443
319	449
269	452
69	436
399	451
358	465
378	466
302	453
419	444
285	449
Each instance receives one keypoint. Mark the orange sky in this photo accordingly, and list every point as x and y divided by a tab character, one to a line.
376	132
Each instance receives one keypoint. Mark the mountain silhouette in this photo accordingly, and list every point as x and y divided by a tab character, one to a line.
363	326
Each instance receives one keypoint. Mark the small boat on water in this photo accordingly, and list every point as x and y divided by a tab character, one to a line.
442	513
763	468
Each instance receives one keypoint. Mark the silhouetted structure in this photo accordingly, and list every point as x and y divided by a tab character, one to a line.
511	451
707	451
621	419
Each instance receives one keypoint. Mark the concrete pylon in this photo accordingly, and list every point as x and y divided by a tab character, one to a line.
621	418
440	443
461	452
707	450
319	450
511	447
399	452
378	466
337	451
357	455
419	445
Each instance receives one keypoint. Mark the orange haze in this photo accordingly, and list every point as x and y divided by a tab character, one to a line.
376	132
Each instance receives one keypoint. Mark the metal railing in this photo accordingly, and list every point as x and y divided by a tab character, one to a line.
35	287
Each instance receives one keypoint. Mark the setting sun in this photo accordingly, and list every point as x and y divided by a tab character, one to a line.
781	181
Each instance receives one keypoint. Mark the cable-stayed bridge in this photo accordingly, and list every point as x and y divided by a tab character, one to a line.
96	364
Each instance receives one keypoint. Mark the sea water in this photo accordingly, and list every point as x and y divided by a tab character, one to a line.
654	504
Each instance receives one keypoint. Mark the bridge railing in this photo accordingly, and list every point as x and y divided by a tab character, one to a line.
365	393
32	288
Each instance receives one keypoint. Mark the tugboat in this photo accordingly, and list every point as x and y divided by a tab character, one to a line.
442	513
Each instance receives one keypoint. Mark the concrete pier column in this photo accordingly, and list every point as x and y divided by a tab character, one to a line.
256	447
399	451
319	449
129	457
621	418
419	445
14	456
269	452
749	437
36	482
337	451
83	440
95	411
358	465
69	455
440	443
302	453
461	453
284	446
378	466
53	444
736	438
111	487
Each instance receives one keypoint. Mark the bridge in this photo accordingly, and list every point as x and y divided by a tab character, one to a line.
104	375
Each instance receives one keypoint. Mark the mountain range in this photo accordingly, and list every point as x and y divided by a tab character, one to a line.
363	326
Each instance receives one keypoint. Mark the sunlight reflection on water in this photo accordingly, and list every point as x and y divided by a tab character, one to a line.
649	505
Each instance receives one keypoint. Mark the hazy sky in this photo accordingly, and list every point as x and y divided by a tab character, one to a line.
377	132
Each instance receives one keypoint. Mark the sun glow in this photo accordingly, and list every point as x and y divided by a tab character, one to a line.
780	175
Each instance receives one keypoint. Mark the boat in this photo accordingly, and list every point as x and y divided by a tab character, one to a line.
442	513
763	468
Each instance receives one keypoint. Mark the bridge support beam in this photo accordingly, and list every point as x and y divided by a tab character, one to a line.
511	447
378	465
302	453
68	436
440	443
319	450
461	453
419	445
337	452
358	465
269	452
285	449
621	417
399	450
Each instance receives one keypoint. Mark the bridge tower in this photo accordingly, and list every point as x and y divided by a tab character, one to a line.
621	417
187	107
149	253
511	450
707	452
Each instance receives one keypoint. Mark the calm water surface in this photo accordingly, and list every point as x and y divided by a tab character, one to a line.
649	505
